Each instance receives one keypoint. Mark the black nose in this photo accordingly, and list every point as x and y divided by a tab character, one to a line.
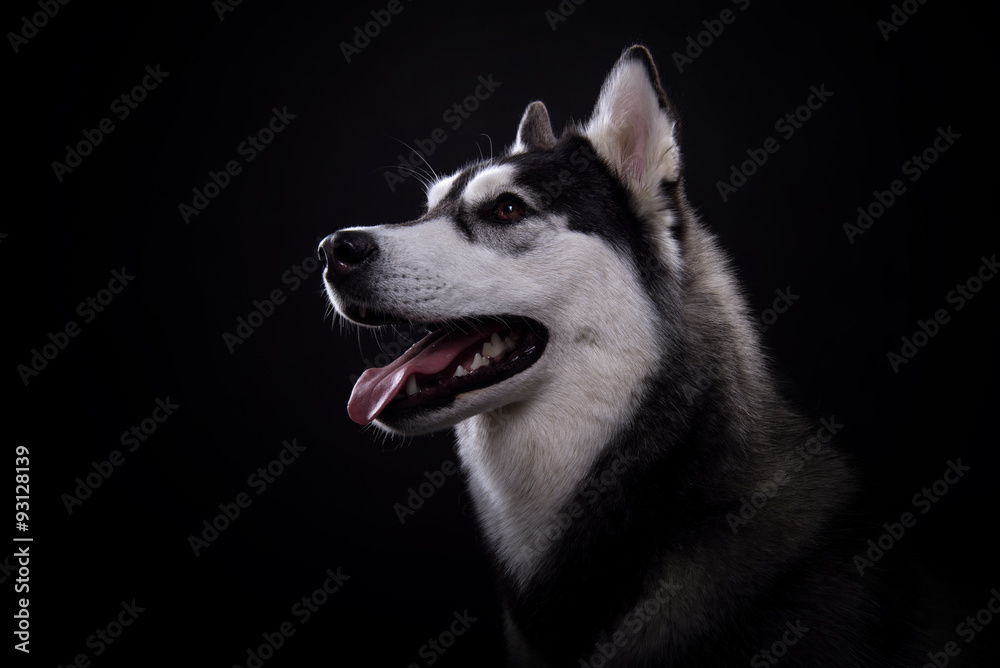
344	251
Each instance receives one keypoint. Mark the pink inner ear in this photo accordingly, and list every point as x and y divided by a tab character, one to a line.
631	110
634	149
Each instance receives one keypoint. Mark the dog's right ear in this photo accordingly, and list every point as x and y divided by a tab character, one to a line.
535	130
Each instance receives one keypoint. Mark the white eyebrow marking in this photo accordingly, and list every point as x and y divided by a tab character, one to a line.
438	190
489	183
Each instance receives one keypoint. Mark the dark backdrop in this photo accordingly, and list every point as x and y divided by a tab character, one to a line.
216	77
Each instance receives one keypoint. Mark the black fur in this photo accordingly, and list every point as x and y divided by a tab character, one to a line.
535	130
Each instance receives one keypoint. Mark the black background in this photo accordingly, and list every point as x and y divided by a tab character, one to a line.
333	507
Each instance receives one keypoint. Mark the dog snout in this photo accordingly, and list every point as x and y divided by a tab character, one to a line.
345	251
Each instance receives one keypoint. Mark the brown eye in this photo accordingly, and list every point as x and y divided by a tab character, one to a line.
508	209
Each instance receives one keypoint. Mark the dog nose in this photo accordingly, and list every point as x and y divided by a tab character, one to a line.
344	251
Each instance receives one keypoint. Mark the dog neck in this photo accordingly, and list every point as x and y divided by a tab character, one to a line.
526	460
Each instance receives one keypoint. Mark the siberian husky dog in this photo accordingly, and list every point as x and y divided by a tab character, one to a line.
646	495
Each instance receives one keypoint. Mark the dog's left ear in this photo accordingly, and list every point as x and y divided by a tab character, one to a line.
535	130
633	126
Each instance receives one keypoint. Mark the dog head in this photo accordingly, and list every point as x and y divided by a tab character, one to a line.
541	274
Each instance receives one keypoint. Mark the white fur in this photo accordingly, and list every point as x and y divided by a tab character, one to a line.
526	459
488	183
526	442
440	188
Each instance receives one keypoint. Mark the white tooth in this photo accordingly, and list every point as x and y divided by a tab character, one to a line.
477	362
488	350
411	385
509	342
460	371
498	344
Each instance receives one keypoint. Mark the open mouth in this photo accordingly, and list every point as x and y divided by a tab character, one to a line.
455	357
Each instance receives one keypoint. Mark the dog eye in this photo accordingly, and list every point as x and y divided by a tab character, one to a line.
508	209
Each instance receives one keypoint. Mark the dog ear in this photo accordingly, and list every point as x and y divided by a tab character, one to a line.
535	130
633	126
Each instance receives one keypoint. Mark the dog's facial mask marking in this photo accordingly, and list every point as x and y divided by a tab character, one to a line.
499	271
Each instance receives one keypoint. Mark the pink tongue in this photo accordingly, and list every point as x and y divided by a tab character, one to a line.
433	354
